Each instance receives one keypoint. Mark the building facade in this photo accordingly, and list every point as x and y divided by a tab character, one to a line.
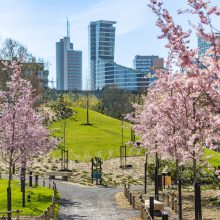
104	71
32	71
68	66
112	74
37	69
101	48
146	65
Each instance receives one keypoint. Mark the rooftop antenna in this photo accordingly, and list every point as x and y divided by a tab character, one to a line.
67	27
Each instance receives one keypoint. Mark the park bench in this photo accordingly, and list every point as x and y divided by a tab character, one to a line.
64	174
158	207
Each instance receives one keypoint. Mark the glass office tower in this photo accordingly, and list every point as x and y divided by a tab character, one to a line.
101	48
145	64
103	70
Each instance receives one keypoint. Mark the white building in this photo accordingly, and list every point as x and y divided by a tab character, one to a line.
68	66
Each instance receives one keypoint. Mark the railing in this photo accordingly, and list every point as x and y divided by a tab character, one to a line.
144	212
171	201
10	212
50	211
48	214
131	198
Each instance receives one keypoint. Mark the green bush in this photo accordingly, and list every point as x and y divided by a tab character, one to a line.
204	175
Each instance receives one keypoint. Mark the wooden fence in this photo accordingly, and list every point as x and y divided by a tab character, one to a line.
171	201
48	214
144	212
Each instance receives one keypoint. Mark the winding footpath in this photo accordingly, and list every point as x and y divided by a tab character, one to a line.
78	202
93	203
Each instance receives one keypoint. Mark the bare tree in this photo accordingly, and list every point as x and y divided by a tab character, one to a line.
11	49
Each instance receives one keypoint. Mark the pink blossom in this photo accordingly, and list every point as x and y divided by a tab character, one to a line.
180	114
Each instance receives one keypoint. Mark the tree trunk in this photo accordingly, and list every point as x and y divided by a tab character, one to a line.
194	168
23	178
177	170
9	189
122	132
64	143
156	187
145	173
87	109
64	134
10	174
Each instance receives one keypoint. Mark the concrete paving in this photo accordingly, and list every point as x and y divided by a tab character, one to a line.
93	203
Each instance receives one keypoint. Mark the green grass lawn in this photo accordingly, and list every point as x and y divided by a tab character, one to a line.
212	157
103	138
40	198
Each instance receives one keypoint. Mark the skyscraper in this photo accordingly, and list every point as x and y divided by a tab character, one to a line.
145	65
68	65
101	48
104	71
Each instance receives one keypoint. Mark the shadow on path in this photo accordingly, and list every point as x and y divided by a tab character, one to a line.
68	203
72	217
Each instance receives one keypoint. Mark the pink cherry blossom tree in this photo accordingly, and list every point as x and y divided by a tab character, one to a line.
22	133
181	112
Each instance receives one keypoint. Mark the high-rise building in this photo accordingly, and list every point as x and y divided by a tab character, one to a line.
101	48
104	71
113	74
68	66
204	45
145	64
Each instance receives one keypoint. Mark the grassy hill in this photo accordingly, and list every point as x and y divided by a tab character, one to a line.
103	138
212	157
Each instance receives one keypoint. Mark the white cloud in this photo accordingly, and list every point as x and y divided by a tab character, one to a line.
130	16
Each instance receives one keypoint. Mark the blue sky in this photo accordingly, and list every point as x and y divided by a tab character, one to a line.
39	24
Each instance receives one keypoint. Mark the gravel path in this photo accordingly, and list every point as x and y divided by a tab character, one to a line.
95	203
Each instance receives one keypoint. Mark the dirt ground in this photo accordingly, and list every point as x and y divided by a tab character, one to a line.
112	174
210	203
